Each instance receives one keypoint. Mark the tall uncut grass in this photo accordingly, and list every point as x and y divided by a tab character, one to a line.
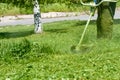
16	7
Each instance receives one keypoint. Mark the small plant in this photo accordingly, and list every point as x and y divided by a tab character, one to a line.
43	48
20	49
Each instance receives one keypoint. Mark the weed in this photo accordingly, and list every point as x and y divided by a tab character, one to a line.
20	49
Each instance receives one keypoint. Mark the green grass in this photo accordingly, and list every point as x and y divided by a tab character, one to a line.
60	7
10	9
118	3
28	56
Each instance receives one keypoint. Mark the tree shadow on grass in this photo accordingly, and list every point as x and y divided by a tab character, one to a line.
82	23
8	35
93	22
117	21
65	30
57	30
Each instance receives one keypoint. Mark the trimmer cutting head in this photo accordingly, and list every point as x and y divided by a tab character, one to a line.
82	49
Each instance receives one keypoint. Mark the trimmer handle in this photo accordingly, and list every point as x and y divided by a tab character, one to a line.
95	3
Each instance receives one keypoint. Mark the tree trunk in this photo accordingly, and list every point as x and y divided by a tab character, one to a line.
37	18
105	20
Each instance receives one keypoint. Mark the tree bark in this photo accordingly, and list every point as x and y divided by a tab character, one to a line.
37	18
105	20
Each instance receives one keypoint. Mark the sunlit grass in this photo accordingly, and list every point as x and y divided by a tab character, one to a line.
10	9
50	55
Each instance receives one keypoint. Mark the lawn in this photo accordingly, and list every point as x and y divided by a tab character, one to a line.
48	56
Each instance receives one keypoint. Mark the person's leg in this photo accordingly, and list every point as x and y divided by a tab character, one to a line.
112	8
104	21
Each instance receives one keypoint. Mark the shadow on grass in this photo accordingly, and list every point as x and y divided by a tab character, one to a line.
117	21
8	35
66	29
57	30
83	23
93	22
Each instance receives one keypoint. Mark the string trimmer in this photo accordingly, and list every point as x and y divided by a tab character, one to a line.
93	6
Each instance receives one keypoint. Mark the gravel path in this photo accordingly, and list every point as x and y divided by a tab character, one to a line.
47	18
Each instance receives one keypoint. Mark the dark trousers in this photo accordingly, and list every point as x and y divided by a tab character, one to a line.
112	7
